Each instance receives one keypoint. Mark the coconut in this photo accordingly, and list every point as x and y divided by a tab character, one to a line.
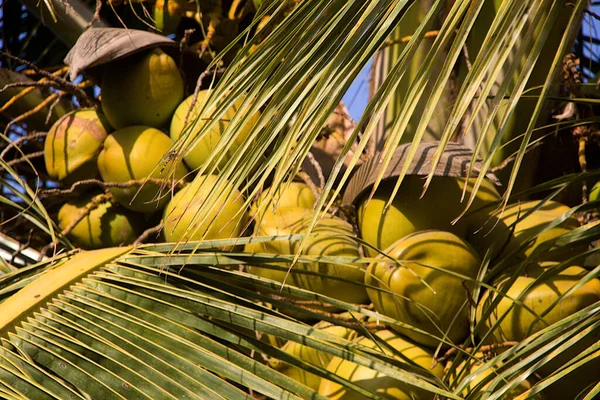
73	143
519	322
134	153
224	217
507	237
293	194
141	89
202	150
542	298
408	213
107	225
331	237
310	355
421	290
478	380
374	381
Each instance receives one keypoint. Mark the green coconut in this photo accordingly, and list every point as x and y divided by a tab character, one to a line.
420	290
332	237
548	298
310	355
107	225
135	153
223	217
73	143
384	386
409	213
293	194
202	150
478	380
521	322
142	89
505	237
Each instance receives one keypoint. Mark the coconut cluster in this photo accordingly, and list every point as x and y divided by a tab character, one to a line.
424	277
425	265
124	144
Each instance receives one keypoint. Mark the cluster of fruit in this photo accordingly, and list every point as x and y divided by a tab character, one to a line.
430	290
124	144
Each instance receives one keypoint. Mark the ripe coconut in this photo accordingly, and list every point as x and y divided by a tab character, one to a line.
478	380
509	238
202	150
225	217
293	194
423	293
377	382
542	298
310	355
408	213
142	89
72	146
134	153
107	225
331	237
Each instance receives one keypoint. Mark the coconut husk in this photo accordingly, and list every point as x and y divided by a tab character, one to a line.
99	46
454	162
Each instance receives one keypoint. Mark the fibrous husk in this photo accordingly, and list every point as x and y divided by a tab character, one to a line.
454	162
99	46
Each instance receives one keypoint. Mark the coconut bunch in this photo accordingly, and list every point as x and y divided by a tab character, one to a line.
424	276
122	144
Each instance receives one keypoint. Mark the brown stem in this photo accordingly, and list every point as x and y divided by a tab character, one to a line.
25	158
106	185
34	110
22	139
510	159
313	161
309	182
61	82
29	85
146	234
24	92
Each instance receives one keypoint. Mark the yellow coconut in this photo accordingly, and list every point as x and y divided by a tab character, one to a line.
384	386
73	143
310	355
421	291
107	225
477	381
225	217
142	89
202	150
519	322
507	237
408	213
332	237
294	194
134	153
